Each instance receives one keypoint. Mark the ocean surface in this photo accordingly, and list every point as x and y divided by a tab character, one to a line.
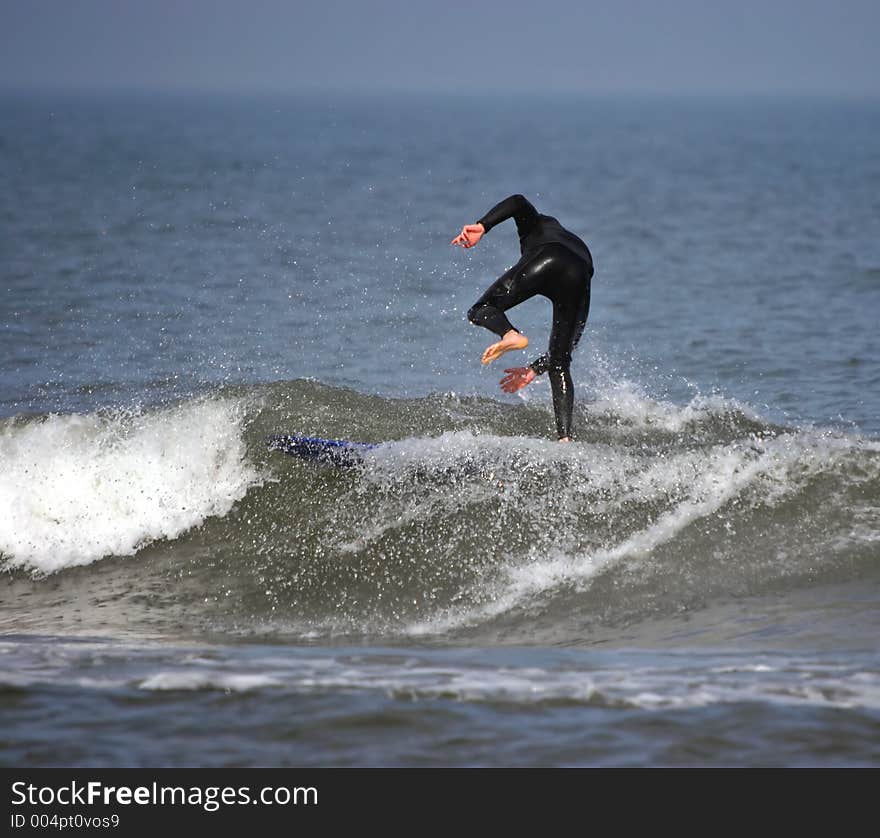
695	581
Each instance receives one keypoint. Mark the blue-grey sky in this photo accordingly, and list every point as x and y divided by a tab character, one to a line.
788	46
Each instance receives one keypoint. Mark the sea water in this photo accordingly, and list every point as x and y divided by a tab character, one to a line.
694	581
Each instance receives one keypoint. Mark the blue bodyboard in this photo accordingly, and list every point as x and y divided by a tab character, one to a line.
337	452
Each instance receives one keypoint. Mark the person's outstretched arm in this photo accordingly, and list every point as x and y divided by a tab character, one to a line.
515	207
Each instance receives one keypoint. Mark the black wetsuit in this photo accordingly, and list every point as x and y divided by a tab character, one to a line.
556	264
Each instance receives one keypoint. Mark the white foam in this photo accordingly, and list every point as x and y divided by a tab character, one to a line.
698	483
632	407
74	489
648	687
206	680
623	679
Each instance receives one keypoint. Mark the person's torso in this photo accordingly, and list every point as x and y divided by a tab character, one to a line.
549	231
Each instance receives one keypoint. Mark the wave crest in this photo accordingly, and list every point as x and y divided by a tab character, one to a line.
77	488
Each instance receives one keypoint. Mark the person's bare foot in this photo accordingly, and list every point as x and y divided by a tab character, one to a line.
565	439
511	340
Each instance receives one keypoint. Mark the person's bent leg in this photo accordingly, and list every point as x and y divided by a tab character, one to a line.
500	296
518	284
490	317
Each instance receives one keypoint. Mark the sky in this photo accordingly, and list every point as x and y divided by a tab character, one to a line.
592	46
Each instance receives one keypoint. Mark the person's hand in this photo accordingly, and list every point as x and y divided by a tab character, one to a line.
470	234
517	378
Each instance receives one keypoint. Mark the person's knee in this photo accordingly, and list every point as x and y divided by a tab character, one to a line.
477	313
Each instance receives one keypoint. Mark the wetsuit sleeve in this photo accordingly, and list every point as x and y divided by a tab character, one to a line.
541	364
515	207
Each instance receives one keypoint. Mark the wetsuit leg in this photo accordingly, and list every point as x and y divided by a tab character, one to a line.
524	280
570	295
568	288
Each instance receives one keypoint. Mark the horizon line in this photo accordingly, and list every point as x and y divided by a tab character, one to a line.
55	88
